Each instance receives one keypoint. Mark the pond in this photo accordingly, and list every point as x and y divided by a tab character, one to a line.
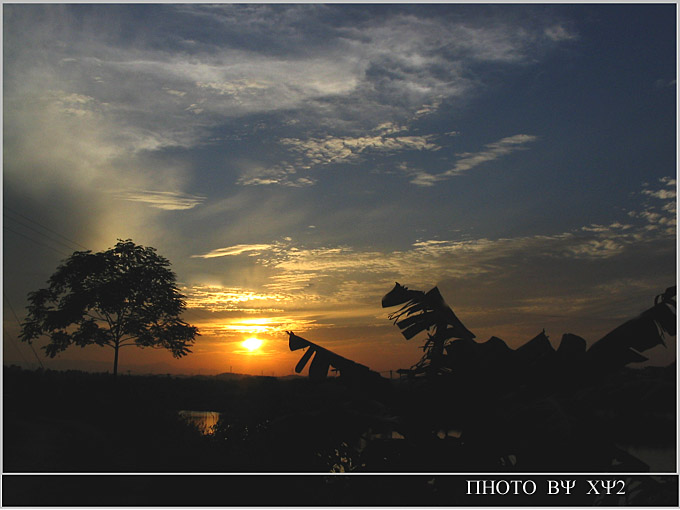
203	420
659	459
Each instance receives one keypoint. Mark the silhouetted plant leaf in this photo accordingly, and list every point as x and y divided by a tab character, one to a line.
303	361
624	344
318	369
324	359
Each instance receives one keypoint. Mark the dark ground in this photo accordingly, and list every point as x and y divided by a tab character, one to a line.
82	422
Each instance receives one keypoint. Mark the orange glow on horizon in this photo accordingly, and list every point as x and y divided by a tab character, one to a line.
255	326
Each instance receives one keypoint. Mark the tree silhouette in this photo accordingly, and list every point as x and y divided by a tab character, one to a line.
119	297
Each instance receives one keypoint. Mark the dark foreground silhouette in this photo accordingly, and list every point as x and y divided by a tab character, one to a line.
80	422
486	407
122	297
465	407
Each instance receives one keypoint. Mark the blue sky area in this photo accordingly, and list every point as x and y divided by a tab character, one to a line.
294	161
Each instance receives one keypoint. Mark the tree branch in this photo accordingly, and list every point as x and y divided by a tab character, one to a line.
95	317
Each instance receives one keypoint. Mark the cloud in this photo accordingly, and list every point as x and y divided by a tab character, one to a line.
220	299
208	96
660	213
179	93
233	329
74	104
430	259
239	249
514	284
281	174
332	150
595	248
64	154
324	151
300	182
663	83
248	60
559	33
298	270
236	87
468	161
662	193
389	128
166	200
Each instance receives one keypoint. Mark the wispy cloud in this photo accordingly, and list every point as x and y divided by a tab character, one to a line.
299	269
381	140
659	213
559	33
384	68
166	200
323	151
220	299
469	160
283	174
343	284
239	249
270	325
661	193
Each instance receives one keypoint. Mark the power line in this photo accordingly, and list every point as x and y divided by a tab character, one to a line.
39	233
44	227
35	241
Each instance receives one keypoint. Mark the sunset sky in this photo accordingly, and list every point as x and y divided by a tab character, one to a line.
294	161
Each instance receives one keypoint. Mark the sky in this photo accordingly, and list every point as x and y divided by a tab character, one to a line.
294	161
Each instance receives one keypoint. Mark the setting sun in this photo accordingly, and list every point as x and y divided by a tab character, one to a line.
252	344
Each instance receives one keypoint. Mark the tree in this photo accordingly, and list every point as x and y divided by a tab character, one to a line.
116	298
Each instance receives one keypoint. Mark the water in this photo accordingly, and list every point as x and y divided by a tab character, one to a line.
203	420
659	459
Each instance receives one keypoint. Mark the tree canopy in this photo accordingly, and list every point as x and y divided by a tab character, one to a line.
123	296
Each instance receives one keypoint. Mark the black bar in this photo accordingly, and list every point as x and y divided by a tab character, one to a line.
339	490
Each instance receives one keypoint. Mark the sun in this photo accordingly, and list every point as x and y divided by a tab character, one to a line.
252	344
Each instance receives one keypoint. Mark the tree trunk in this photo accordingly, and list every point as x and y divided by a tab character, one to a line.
115	360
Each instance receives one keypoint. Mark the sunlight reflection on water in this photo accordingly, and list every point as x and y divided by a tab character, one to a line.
203	420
